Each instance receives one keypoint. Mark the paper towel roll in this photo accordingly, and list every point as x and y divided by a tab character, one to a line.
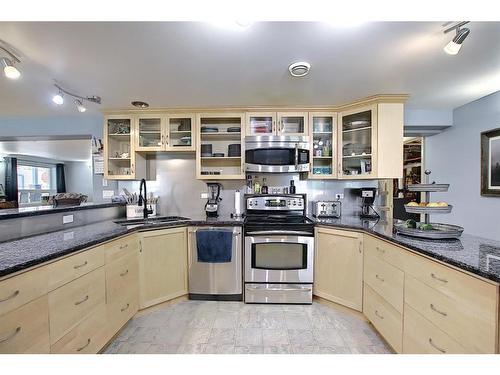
237	203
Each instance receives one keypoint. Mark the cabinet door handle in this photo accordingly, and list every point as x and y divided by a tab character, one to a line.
438	278
80	265
82	301
124	273
377	313
380	278
125	308
15	294
123	246
84	346
380	250
360	247
439	312
435	346
8	337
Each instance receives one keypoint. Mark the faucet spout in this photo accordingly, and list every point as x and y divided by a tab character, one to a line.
143	199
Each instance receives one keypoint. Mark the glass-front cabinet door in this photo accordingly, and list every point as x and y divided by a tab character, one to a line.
292	123
323	135
180	132
356	142
149	133
261	123
119	155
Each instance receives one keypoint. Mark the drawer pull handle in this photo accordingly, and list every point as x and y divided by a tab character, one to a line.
8	337
377	313
435	346
124	273
84	346
124	246
80	265
380	278
380	250
10	297
82	301
436	310
126	307
438	278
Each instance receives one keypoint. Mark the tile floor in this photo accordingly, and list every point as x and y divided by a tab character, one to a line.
235	327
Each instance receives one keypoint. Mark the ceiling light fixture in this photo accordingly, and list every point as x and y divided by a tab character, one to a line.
79	100
139	104
453	47
9	69
299	69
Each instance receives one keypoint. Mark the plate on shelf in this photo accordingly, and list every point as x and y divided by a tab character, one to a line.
428	210
209	129
186	140
428	187
438	231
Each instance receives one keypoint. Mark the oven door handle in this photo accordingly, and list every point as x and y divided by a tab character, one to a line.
279	232
280	289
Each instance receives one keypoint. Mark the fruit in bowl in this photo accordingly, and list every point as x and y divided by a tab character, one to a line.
412	204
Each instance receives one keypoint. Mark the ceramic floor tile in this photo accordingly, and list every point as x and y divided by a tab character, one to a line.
249	320
272	320
196	336
280	349
191	349
133	348
143	335
334	350
225	336
248	337
305	349
302	337
328	337
248	349
226	320
297	321
274	337
202	321
170	335
219	349
162	349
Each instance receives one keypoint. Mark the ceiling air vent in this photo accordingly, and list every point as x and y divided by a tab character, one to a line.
299	69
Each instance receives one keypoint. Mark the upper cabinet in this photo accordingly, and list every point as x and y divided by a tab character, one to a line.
120	159
149	133
220	146
180	132
277	123
323	136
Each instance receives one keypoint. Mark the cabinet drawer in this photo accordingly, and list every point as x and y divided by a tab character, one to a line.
385	251
386	280
384	317
454	284
88	337
73	302
121	247
472	327
26	330
21	289
68	269
121	310
121	276
422	337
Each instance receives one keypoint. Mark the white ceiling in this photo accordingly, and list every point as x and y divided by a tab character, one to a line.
199	64
61	149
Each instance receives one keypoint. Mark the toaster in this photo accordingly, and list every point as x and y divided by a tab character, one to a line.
327	208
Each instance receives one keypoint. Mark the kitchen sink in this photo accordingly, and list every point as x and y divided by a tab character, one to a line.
152	220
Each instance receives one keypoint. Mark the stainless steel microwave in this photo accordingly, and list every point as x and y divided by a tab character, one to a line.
277	154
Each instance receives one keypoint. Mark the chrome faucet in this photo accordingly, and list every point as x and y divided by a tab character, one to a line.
143	199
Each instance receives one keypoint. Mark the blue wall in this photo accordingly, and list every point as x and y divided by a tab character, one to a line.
454	157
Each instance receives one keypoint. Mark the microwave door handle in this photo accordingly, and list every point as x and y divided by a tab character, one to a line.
296	156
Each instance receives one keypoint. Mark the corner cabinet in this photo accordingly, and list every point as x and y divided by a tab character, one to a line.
323	136
277	123
370	141
121	162
220	146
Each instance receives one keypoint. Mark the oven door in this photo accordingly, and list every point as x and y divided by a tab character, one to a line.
277	157
279	258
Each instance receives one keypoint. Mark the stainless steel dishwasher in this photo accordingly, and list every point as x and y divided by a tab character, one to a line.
216	281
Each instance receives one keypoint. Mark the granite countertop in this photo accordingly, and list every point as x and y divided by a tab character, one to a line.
12	213
474	254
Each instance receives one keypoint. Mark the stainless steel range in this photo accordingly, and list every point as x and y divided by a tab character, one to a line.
279	250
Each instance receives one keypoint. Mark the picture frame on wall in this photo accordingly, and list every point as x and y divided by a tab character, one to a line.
490	163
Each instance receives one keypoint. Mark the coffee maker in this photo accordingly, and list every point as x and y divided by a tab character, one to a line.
214	198
367	199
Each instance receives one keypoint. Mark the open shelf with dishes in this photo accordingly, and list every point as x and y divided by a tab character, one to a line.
220	147
323	135
426	229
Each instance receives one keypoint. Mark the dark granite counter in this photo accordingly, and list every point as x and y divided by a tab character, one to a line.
473	254
12	213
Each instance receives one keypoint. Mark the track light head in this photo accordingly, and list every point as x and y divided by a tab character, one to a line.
9	69
79	106
453	47
58	98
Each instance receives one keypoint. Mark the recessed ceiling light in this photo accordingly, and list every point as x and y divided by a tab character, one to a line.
139	104
299	69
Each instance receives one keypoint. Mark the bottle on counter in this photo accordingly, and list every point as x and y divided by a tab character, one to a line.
264	189
292	187
256	186
249	184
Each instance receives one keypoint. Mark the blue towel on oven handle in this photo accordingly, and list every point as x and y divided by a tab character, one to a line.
214	246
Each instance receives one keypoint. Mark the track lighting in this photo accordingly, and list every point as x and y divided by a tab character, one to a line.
9	69
78	99
453	47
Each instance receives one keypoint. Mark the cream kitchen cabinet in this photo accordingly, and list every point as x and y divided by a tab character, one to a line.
277	123
163	269
323	139
370	140
338	267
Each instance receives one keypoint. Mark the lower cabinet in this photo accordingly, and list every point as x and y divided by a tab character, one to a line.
338	268
163	269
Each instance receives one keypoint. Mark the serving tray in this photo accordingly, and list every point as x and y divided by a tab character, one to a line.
428	210
431	188
439	231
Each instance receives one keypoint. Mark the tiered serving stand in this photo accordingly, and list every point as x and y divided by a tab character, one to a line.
438	231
